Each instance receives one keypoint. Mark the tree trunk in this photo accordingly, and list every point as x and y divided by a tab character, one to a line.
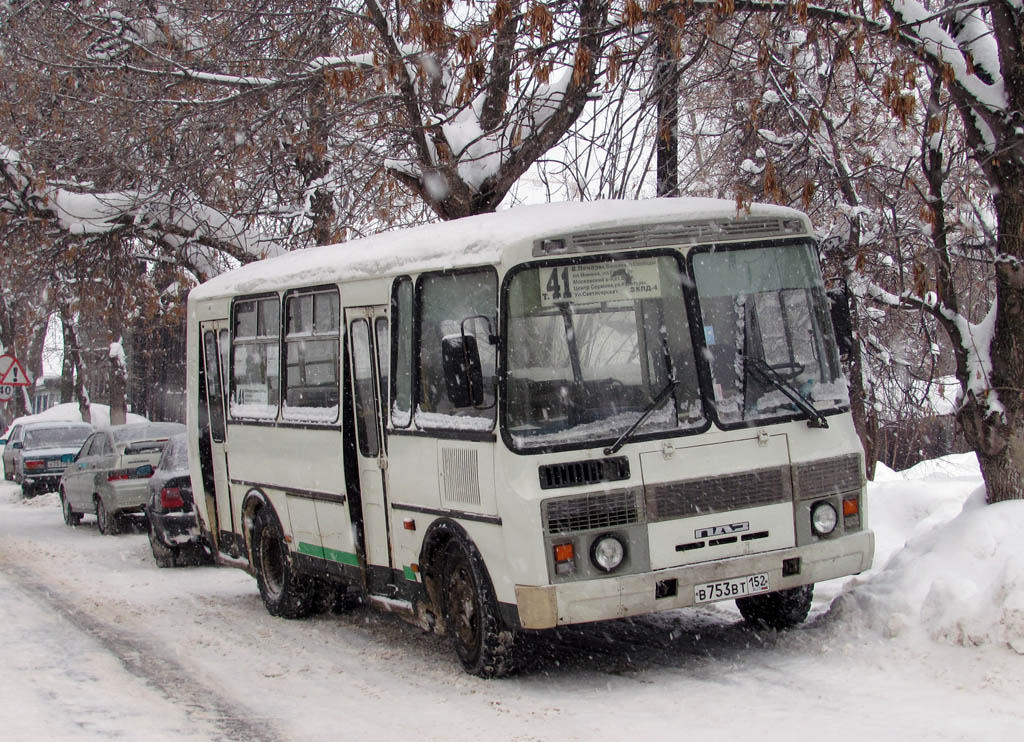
666	91
862	404
997	435
73	351
118	384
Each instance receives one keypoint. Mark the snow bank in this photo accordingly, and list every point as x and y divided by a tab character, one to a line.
948	566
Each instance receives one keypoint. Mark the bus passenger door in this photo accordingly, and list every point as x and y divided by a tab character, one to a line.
213	429
367	328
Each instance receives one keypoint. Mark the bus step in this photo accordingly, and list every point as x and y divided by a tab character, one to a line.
392	605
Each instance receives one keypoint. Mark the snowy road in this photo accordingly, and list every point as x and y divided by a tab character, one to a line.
97	643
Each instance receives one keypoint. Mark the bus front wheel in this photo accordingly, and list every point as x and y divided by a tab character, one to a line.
779	610
285	592
483	645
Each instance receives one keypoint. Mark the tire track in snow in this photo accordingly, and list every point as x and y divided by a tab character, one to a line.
147	662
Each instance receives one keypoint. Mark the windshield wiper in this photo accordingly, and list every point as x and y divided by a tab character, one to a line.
768	375
648	410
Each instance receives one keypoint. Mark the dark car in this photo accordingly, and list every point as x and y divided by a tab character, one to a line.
42	452
174	533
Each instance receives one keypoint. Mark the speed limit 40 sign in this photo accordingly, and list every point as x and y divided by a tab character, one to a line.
6	392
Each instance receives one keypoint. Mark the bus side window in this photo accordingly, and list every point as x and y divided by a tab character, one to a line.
362	375
401	353
383	362
311	349
454	303
255	373
213	387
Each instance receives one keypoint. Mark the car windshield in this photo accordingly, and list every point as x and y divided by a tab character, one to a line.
59	437
591	345
767	326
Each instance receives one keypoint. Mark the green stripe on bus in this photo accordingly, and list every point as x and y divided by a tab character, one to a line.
332	555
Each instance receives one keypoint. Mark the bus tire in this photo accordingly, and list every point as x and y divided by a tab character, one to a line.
484	646
285	592
779	610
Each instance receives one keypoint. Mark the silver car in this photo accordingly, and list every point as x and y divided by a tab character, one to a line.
109	475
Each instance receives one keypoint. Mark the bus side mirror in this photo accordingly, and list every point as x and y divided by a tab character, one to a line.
842	321
463	378
16	445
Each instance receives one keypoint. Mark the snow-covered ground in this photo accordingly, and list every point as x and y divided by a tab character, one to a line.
99	644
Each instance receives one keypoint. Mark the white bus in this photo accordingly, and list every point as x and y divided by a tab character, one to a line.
544	416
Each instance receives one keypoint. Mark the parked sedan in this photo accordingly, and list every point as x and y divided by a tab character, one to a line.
174	534
42	452
110	473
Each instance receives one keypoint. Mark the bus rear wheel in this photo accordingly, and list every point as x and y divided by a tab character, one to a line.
779	610
285	592
483	645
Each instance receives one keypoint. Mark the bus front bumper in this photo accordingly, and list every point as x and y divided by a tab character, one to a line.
547	606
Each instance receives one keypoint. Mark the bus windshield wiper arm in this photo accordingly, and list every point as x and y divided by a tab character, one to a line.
648	410
768	375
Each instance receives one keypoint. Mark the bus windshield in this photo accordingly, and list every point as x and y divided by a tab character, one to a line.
592	344
768	331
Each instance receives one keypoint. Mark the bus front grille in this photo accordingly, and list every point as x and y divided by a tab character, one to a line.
827	476
589	512
669	500
591	471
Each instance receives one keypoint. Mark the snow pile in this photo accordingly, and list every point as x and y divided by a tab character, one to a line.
947	567
49	500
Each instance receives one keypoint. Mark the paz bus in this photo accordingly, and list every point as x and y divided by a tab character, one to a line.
543	416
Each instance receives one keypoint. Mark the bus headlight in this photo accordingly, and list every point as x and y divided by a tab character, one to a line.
607	552
824	518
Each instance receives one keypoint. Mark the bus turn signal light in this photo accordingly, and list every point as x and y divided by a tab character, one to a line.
565	559
851	513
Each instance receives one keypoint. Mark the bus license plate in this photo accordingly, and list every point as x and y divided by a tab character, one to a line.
737	587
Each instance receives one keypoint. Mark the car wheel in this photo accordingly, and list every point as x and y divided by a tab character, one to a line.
779	610
483	645
106	523
285	591
71	518
162	555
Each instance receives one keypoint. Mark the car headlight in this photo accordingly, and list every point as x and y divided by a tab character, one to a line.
607	552
824	518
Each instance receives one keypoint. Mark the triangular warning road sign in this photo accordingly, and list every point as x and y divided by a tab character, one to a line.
12	372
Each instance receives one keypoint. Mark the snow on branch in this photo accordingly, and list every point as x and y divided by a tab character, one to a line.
959	41
974	339
179	222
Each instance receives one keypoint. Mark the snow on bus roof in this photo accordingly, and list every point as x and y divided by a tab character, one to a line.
474	240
